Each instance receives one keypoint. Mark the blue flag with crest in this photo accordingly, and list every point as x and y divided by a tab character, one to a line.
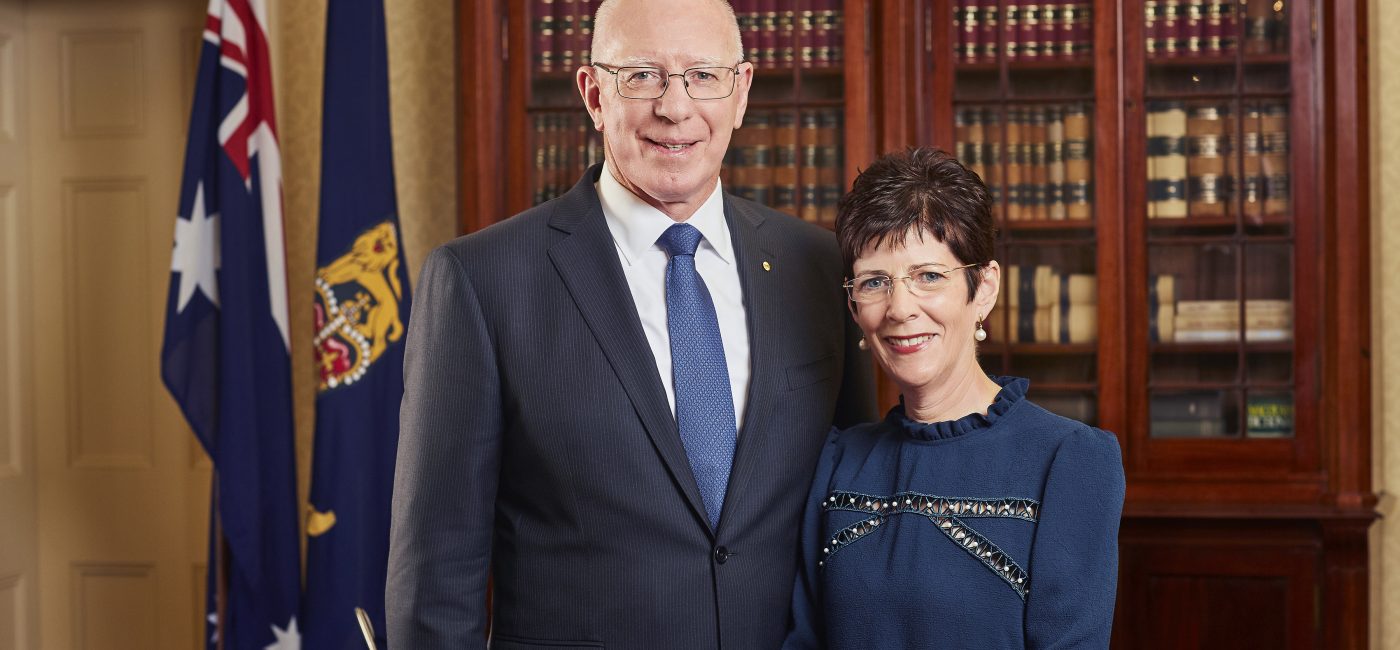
361	315
225	357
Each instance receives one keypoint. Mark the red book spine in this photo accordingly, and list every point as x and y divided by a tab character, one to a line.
1213	34
838	32
829	52
1029	46
960	36
806	34
767	32
1083	30
1150	17
585	30
1068	30
1169	28
567	29
744	12
971	36
543	19
1049	32
989	28
787	46
1012	31
1193	27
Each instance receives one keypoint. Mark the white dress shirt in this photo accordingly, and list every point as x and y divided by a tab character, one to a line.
635	227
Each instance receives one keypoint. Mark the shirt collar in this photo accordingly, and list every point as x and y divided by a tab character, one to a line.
636	226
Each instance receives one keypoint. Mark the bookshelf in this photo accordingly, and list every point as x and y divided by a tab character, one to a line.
1182	205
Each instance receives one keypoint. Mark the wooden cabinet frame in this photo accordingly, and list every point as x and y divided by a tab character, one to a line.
1312	490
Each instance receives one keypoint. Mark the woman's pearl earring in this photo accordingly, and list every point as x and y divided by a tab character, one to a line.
863	345
980	334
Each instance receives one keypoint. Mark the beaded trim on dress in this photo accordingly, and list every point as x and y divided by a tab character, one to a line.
946	513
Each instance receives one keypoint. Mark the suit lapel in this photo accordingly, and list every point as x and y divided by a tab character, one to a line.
760	275
586	260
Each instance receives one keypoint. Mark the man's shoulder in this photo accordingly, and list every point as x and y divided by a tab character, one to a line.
510	239
794	230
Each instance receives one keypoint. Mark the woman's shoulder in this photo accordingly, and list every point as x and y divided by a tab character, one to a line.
858	439
856	434
1056	431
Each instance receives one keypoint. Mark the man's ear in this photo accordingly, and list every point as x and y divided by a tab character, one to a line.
743	81
592	94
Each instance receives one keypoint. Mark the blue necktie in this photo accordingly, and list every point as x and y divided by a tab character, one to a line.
704	405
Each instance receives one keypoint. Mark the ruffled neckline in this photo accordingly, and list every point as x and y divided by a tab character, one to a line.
1013	390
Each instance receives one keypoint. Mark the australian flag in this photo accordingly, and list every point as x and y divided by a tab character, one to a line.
361	315
225	356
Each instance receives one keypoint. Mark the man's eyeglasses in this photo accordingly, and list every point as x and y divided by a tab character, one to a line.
921	282
649	82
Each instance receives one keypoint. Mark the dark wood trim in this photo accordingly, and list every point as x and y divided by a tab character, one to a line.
517	92
1132	137
1304	502
1110	217
1346	583
859	87
481	105
1346	412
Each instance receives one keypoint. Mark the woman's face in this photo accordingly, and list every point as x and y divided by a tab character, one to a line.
922	341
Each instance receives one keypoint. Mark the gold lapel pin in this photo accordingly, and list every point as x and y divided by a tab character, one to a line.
767	266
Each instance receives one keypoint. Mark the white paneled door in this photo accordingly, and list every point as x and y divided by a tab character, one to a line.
96	463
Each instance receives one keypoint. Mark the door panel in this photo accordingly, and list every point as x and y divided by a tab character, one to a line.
124	504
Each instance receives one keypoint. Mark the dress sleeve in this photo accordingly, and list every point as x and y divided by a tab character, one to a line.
1074	559
450	429
807	629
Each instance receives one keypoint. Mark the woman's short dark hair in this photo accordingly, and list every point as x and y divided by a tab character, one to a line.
925	189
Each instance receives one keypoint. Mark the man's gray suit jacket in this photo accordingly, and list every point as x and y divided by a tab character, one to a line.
537	446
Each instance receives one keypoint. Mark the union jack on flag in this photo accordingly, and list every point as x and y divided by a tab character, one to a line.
225	357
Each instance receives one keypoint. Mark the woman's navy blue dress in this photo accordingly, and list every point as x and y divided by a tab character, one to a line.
995	531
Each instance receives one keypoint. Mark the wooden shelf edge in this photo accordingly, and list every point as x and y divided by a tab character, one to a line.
1247	511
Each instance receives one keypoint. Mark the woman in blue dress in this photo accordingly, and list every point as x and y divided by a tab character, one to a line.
969	517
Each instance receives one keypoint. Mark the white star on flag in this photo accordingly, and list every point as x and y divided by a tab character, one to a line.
196	256
287	639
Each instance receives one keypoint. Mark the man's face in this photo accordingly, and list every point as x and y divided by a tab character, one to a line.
667	151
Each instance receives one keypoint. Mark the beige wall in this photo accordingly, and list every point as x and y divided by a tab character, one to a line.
1385	335
422	80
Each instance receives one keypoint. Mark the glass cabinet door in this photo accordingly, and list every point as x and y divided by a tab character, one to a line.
1023	112
789	152
1219	218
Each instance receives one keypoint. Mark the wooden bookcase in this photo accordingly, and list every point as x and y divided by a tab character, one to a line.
1229	183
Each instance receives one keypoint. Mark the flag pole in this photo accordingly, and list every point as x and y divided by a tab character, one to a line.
220	567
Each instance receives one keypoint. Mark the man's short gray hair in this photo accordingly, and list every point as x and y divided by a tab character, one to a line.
602	22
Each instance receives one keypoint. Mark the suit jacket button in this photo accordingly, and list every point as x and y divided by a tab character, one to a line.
721	554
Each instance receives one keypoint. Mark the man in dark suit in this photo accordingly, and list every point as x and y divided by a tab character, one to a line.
613	401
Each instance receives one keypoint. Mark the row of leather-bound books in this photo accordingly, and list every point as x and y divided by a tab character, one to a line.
1175	320
564	145
801	33
790	160
1037	160
1203	159
1186	28
562	32
786	159
1046	304
1023	30
1214	413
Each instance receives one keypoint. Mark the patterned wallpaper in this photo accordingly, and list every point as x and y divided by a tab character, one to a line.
422	83
1385	307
